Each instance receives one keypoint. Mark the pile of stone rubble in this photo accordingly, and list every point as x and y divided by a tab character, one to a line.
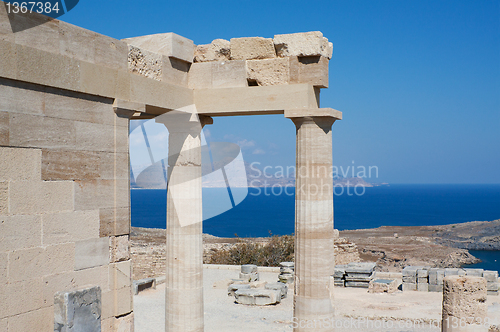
427	279
250	291
354	275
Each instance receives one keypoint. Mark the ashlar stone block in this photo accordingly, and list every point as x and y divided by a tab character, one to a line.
70	226
36	320
119	248
217	50
20	232
269	71
303	44
200	75
40	196
175	71
228	74
91	253
249	48
78	310
310	69
17	164
114	221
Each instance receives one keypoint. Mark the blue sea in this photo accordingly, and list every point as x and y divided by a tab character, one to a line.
262	212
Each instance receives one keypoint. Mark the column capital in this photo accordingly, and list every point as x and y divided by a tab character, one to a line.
313	112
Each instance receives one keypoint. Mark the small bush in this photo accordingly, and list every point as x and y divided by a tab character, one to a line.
278	249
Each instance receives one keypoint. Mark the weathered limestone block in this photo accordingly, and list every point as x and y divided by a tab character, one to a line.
38	262
422	281
98	194
78	310
18	164
231	289
269	71
436	276
383	286
248	48
229	74
4	197
70	226
303	44
36	320
464	301
490	276
473	272
423	273
114	221
145	63
422	287
20	232
200	75
310	69
169	44
175	71
409	286
286	279
217	50
120	274
454	272
40	196
4	125
92	253
20	297
119	248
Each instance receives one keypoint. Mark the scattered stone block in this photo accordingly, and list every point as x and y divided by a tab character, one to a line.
217	50
383	286
473	272
249	48
435	288
257	297
409	286
357	284
143	284
464	300
436	276
231	289
278	286
287	279
422	273
269	71
422	281
78	310
422	287
490	276
303	44
249	276
454	272
249	268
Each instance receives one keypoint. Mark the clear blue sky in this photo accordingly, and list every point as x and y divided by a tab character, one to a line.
418	82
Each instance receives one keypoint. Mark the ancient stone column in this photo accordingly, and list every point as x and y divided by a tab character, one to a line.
314	234
464	304
184	252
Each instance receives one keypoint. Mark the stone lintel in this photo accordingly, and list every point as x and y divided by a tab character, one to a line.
313	112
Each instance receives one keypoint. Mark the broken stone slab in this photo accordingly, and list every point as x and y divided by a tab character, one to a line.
143	284
361	268
249	276
383	286
358	278
217	50
339	283
78	310
257	296
339	271
249	48
258	284
283	288
303	44
409	286
248	268
233	288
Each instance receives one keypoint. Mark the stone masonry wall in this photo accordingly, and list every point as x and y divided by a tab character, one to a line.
64	204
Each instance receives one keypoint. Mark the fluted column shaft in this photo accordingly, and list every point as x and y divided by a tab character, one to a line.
314	247
184	252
